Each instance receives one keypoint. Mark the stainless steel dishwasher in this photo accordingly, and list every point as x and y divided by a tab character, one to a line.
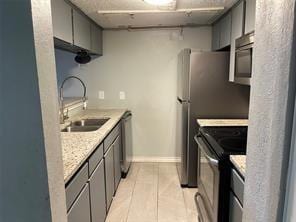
127	143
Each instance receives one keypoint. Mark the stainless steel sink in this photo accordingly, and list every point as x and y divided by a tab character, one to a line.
85	125
90	122
70	129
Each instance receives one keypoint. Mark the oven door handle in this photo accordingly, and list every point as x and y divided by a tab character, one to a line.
208	155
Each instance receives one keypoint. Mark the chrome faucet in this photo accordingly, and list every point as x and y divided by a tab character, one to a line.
63	117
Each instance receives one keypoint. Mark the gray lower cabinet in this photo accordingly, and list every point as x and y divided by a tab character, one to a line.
236	197
117	167
62	20
237	25
109	175
97	194
250	16
81	30
96	40
80	210
236	209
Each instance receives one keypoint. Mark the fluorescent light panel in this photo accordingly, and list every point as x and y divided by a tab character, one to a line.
159	2
210	9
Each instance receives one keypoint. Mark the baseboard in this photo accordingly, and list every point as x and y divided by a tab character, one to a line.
156	159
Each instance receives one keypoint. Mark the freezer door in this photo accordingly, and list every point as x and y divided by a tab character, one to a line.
183	74
182	140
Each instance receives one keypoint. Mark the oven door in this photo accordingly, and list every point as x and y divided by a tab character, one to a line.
208	186
243	64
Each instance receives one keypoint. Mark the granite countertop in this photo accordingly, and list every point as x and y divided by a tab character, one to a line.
77	146
239	161
222	122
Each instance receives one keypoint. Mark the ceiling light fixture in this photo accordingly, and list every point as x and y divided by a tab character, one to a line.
159	2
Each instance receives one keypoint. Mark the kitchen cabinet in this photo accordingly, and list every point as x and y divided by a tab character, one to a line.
221	33
216	36
235	209
109	175
80	210
117	167
250	16
76	184
225	31
237	24
97	194
236	197
96	40
81	31
62	20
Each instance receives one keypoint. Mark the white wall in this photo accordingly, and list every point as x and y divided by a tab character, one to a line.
143	64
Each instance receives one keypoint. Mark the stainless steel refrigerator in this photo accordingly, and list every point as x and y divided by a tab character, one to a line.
203	92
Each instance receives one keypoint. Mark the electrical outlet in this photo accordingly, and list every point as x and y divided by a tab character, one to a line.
122	95
101	95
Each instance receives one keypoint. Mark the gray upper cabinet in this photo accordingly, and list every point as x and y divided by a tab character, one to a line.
96	40
80	211
81	30
250	16
225	31
216	36
237	25
62	20
97	194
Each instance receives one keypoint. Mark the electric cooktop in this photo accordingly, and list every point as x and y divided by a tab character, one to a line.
226	141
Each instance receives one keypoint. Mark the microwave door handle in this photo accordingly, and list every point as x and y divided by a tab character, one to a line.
201	144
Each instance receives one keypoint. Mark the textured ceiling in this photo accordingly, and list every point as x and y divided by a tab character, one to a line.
142	15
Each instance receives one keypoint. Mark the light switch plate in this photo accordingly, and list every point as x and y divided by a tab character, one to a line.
122	95
101	95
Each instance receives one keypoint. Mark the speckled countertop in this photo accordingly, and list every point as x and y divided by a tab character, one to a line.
239	161
222	122
77	146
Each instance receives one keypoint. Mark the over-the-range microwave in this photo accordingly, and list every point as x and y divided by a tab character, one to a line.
244	59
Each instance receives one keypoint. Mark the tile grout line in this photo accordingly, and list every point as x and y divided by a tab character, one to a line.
129	207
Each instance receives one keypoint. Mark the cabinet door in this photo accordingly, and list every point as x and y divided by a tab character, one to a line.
96	40
216	36
97	194
109	174
81	26
225	31
237	19
250	16
62	20
80	211
117	167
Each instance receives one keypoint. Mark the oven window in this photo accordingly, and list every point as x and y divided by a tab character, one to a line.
207	177
243	67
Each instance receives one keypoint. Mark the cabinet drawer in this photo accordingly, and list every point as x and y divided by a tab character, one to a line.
237	185
95	158
111	137
235	209
75	186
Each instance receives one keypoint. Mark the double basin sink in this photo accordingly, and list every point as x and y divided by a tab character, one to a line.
85	125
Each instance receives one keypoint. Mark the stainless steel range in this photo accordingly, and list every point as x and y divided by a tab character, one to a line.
215	145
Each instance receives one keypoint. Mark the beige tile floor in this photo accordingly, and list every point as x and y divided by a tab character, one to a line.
152	193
